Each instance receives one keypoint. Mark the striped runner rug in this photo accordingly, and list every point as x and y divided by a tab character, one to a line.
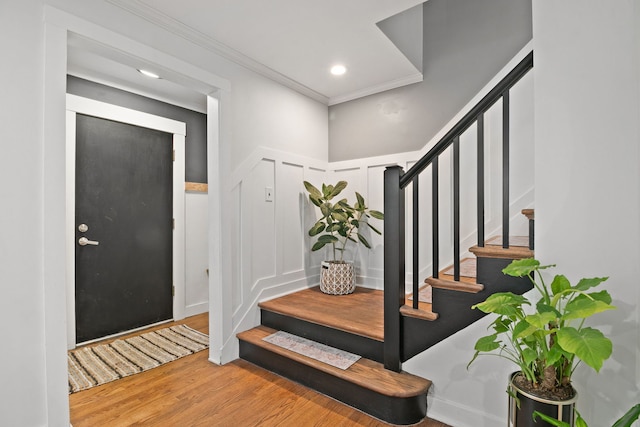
100	364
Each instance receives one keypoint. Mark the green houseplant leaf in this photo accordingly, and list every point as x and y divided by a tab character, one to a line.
581	308
588	344
628	418
625	421
504	303
340	221
376	214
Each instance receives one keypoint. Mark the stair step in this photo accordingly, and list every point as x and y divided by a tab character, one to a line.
418	313
529	213
399	398
349	313
467	270
495	251
522	241
473	288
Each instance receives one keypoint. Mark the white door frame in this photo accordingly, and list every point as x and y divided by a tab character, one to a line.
53	251
78	105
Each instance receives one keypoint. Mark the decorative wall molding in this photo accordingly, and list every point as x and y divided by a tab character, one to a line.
261	264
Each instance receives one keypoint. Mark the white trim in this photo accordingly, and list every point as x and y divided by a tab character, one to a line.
220	297
453	413
181	72
75	105
199	308
393	84
53	225
125	115
138	91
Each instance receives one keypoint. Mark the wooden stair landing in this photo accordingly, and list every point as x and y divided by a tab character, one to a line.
360	313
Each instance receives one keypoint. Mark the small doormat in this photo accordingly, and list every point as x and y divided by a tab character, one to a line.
424	295
100	364
320	352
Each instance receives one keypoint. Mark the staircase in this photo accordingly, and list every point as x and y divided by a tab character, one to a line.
354	323
389	327
351	323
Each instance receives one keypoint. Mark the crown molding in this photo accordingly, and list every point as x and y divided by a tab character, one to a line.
393	84
188	33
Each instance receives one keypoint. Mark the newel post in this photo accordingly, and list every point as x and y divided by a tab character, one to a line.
394	265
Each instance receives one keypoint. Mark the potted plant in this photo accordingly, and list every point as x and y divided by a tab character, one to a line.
546	340
339	225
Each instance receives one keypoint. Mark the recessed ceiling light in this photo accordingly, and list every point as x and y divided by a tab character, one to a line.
148	74
338	70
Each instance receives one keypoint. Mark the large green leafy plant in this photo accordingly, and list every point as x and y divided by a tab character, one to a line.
340	220
548	339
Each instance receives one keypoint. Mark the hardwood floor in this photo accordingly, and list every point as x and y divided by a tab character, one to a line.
194	392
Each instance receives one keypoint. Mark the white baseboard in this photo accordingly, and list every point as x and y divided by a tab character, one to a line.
199	308
456	414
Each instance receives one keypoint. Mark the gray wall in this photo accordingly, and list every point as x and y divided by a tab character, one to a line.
196	139
466	42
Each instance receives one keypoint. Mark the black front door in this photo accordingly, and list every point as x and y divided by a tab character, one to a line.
123	227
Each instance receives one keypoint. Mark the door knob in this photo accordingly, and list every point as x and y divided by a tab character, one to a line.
83	241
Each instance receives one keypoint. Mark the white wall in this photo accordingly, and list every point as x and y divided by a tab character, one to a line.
23	389
270	258
465	43
587	174
196	253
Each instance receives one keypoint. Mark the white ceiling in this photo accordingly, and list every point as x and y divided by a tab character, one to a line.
292	41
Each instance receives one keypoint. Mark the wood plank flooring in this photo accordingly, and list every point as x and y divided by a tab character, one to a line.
194	392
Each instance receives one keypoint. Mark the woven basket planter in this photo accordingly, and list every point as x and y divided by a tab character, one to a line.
337	278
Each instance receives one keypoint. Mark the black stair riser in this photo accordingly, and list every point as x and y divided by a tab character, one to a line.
454	314
362	346
489	273
387	408
454	308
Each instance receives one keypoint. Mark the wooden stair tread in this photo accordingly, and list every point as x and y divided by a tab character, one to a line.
473	288
529	213
359	313
493	251
514	241
465	276
418	313
365	373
